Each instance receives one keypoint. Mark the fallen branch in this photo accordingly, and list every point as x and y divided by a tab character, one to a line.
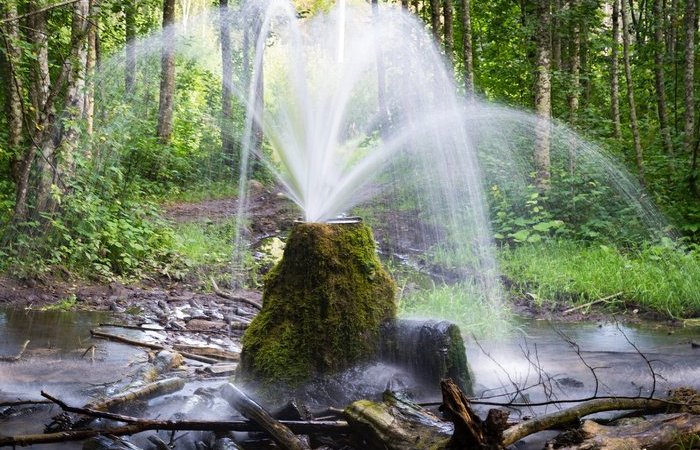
573	414
237	298
23	402
145	392
17	356
126	340
137	425
250	409
591	303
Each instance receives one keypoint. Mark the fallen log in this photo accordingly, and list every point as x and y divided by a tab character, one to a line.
145	392
397	424
575	413
16	357
210	352
662	432
251	410
136	343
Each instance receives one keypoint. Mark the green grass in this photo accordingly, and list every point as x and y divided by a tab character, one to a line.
212	190
664	278
463	304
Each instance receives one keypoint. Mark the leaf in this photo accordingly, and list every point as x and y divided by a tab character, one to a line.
520	236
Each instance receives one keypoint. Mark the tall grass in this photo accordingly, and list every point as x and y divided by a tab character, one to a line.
662	278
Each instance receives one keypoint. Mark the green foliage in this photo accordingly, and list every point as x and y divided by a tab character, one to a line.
662	278
461	303
66	304
96	233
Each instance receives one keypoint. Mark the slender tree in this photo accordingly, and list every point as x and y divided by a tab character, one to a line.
381	77
630	90
435	18
130	10
91	61
659	78
574	62
689	76
543	94
614	71
466	19
10	57
167	75
556	35
226	83
448	28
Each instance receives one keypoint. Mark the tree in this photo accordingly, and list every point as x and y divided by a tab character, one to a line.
689	76
130	10
659	78
614	71
465	15
11	55
226	83
167	75
543	94
435	18
630	91
574	62
448	13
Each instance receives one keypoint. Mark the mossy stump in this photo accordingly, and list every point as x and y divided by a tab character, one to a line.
323	305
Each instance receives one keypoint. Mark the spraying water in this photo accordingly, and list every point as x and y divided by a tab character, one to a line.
362	116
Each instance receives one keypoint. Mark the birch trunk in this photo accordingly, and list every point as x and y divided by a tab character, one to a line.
543	95
167	75
614	71
630	92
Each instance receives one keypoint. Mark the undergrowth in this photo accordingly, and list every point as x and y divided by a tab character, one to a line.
663	278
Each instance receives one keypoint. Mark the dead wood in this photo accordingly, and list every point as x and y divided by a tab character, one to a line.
16	357
251	410
145	392
469	430
575	413
661	432
211	352
237	298
397	424
134	342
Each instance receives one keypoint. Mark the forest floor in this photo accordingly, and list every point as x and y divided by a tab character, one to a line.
270	214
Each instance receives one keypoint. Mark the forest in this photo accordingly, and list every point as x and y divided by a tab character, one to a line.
106	128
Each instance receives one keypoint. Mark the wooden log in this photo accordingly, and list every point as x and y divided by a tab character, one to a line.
145	392
210	352
16	357
575	413
661	432
396	424
136	343
251	410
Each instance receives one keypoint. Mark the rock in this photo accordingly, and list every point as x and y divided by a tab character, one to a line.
165	361
205	325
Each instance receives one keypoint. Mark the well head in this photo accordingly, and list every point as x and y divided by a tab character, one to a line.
323	305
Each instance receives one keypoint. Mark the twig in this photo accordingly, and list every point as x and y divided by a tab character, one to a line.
237	298
17	356
37	11
594	302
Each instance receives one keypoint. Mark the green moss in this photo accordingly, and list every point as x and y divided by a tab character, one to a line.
322	306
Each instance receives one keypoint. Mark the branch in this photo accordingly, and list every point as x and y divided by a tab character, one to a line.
17	356
237	298
594	302
38	11
558	418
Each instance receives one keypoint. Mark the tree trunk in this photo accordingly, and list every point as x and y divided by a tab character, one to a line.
689	76
91	61
259	93
130	49
435	19
381	78
167	75
226	85
22	159
659	81
404	4
448	14
543	95
466	17
630	91
614	71
574	63
556	36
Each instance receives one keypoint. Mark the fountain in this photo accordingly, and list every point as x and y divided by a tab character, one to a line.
362	116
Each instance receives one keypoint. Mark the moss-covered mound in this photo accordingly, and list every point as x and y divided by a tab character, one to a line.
322	306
